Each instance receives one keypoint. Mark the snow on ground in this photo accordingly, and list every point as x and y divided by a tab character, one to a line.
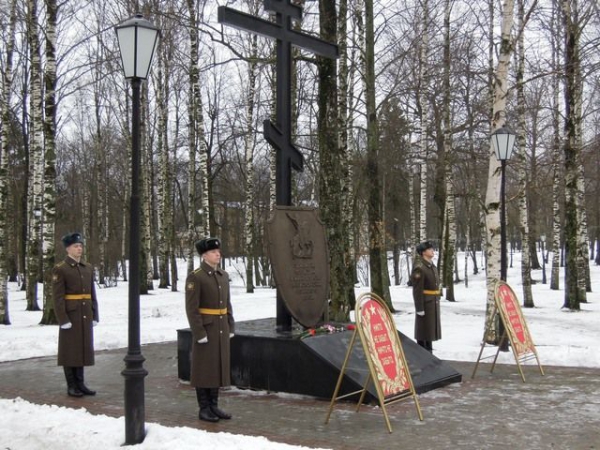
562	338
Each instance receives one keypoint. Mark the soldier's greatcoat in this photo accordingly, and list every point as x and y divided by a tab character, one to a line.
208	289
76	344
425	278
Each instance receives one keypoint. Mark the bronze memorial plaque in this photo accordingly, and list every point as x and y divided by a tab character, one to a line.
298	251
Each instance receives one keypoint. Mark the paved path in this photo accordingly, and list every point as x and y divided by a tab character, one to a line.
560	410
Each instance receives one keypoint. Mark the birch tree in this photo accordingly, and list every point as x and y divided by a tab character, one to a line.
423	107
36	160
194	104
49	198
574	295
521	160
165	196
5	112
492	198
249	230
332	172
377	251
449	209
557	173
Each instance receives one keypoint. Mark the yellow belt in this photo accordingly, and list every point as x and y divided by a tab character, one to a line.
78	297
212	311
426	292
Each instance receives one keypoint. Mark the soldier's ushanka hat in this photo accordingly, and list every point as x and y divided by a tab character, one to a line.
73	238
425	245
207	244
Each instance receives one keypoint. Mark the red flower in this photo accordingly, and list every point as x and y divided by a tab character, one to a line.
350	327
312	331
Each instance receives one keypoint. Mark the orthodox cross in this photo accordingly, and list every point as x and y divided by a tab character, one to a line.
279	134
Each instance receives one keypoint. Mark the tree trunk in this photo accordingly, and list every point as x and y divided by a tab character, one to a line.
36	161
5	96
193	106
165	195
377	251
574	296
424	108
492	199
49	205
332	173
449	207
557	172
522	164
249	233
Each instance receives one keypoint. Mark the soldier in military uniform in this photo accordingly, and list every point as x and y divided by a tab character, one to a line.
426	295
209	313
76	309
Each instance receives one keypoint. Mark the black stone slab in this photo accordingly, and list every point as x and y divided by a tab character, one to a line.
263	359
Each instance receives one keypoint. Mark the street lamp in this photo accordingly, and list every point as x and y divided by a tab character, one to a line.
543	239
138	40
503	141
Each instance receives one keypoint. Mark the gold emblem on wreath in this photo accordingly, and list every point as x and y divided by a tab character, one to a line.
190	286
54	277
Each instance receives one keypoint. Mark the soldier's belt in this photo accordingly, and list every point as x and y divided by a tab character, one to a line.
212	311
78	297
426	292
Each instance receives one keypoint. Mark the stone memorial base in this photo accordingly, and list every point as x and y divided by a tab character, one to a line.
263	359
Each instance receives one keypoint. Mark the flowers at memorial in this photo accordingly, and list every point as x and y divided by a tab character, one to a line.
326	329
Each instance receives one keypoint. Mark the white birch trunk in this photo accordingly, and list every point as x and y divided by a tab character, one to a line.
5	100
165	197
423	120
522	164
49	196
36	165
192	138
492	198
249	166
557	173
146	199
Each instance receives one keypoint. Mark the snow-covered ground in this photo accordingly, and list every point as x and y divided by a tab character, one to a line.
562	338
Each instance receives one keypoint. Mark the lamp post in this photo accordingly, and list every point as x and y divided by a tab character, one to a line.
138	39
543	240
503	141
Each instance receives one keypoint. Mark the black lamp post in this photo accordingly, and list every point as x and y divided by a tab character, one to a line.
543	240
138	39
503	141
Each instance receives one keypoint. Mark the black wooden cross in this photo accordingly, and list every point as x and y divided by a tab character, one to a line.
279	134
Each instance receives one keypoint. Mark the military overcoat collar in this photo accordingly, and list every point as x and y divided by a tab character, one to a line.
70	261
425	262
209	269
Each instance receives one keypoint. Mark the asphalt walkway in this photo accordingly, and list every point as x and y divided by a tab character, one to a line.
560	410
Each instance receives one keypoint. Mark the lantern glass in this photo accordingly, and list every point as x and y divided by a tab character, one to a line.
503	141
138	39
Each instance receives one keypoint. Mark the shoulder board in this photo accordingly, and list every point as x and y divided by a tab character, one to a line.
62	263
198	270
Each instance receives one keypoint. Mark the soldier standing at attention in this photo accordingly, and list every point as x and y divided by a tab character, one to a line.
76	309
209	313
426	295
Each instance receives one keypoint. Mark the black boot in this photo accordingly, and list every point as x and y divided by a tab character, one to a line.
79	381
72	389
206	413
214	405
